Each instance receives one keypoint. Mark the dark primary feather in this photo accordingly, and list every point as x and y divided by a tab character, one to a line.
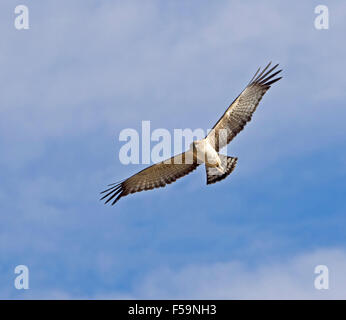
155	176
241	109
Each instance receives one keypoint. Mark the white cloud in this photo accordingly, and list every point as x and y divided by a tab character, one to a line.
287	279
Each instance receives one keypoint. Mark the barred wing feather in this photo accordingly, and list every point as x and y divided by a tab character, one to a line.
239	113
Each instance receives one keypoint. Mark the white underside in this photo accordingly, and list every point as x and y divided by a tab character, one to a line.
207	154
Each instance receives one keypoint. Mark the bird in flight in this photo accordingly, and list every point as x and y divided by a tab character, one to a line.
218	166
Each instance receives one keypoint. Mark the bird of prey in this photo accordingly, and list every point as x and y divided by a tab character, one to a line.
206	151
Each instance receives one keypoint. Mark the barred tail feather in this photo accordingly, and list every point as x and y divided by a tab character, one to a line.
228	165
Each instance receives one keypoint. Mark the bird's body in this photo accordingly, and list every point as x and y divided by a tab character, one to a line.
218	166
205	153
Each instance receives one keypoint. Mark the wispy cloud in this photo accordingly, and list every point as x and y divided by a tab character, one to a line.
284	279
292	278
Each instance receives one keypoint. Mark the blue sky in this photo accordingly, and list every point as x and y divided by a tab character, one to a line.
86	70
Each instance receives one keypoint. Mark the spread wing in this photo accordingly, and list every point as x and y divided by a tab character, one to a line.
155	176
242	108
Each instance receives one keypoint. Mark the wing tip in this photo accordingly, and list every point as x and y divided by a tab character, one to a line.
115	190
264	76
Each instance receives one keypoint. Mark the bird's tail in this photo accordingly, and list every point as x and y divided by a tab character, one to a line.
228	164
